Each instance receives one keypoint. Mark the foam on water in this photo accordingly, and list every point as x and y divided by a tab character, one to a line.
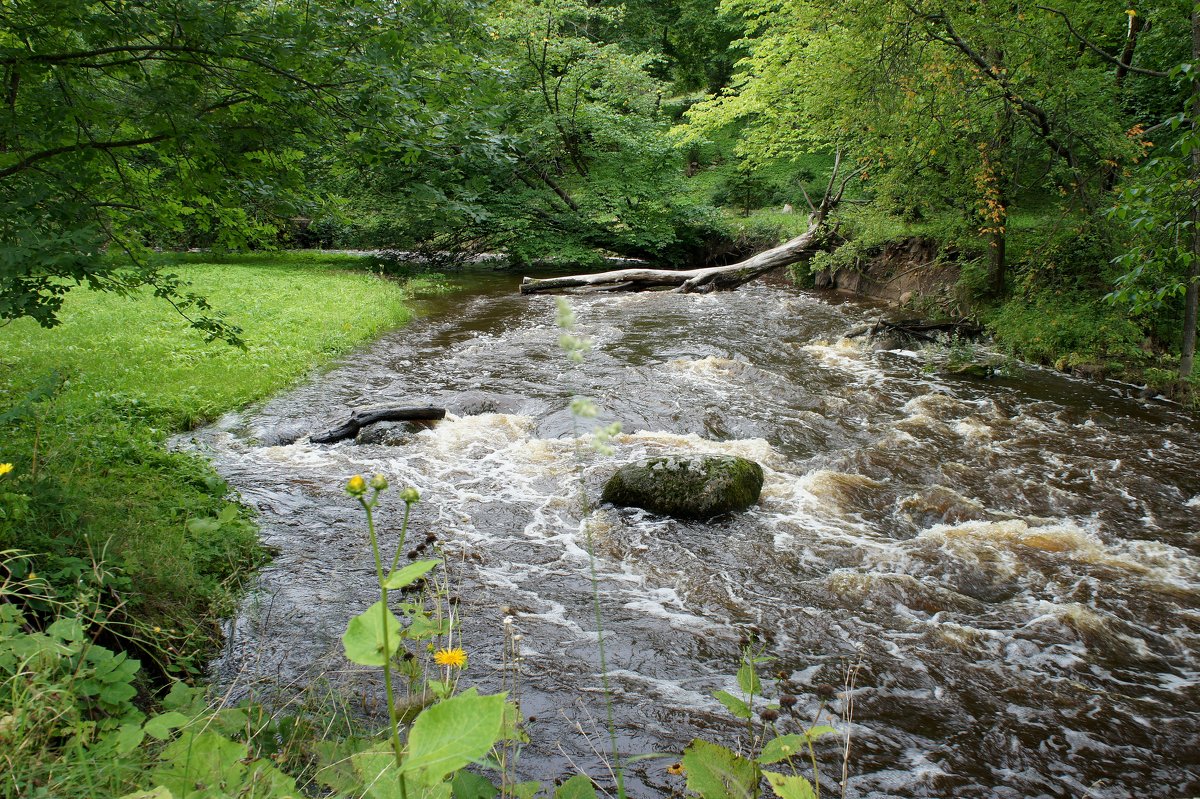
1012	563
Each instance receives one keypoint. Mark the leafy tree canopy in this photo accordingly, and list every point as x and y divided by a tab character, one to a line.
133	124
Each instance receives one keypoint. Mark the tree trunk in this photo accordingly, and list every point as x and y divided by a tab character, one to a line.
691	280
1191	297
1131	37
998	252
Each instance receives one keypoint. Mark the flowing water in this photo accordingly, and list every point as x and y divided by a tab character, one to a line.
1012	566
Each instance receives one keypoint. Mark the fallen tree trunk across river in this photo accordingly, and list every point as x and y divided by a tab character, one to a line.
710	278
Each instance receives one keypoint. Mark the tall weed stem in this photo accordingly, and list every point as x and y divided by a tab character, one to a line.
574	348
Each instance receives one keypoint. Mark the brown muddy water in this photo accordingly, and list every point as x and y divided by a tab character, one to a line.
1013	566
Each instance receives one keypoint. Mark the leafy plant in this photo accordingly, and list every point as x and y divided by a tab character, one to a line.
717	772
456	731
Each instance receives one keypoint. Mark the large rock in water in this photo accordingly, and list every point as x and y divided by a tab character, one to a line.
687	486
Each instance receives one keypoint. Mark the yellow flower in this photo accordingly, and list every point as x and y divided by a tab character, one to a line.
454	658
356	486
5	468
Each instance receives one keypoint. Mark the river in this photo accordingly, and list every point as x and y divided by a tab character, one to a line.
1010	567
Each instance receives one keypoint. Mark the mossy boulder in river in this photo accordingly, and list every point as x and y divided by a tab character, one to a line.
687	486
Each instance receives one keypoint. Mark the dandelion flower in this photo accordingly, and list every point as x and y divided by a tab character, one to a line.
454	658
5	468
356	486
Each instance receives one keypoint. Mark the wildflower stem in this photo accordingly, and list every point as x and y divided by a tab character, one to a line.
574	348
393	718
403	535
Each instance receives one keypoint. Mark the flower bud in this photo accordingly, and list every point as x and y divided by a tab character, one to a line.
410	495
356	486
379	482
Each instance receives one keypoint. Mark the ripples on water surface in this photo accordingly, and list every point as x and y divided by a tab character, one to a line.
1014	563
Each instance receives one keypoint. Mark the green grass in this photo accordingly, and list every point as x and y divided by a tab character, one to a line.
129	372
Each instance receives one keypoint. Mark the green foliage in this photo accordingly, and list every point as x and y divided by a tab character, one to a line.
62	696
578	787
1067	329
787	786
715	772
366	634
1157	207
134	125
453	734
445	737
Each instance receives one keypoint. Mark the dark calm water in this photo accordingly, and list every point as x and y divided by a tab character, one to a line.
1012	566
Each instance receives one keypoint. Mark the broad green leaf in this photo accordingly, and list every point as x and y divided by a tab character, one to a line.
187	699
782	748
163	724
526	790
748	680
117	693
377	772
335	765
66	629
409	574
466	785
157	793
363	639
734	705
452	734
127	738
578	787
422	626
443	790
715	772
789	787
814	733
204	526
201	758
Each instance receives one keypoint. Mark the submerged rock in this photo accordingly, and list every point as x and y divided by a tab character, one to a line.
389	434
687	486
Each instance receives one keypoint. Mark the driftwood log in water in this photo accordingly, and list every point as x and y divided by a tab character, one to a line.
709	278
362	417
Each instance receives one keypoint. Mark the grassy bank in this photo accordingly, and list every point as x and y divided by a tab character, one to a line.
87	407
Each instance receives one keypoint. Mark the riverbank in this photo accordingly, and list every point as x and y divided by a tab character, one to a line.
934	270
149	534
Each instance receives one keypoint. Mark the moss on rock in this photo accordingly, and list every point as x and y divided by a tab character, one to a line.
687	486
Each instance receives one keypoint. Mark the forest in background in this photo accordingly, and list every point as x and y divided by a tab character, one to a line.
1049	150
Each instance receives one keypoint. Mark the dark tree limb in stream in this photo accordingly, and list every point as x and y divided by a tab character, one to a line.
362	417
713	278
919	329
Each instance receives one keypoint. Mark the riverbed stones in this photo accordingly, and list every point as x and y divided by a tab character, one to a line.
687	486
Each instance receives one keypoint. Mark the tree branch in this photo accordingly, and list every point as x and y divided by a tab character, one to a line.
29	161
1113	59
1037	118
